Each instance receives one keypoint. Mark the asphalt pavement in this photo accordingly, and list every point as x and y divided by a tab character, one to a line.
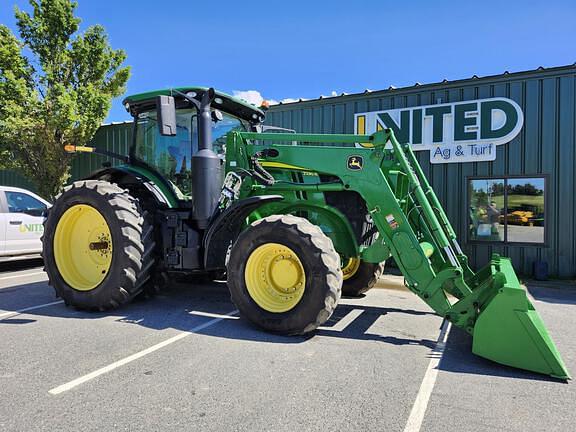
185	361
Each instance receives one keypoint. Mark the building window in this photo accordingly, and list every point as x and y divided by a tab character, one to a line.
507	210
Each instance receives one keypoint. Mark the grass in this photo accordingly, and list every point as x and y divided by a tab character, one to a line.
517	201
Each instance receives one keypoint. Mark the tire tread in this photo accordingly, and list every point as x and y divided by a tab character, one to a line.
322	247
136	242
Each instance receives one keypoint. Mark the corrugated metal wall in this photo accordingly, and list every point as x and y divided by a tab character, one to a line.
16	179
546	145
115	137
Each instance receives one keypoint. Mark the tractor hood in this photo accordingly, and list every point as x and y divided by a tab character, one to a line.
223	102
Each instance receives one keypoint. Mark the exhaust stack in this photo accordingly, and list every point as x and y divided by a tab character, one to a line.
206	166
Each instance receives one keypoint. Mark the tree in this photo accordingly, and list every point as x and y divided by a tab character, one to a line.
56	87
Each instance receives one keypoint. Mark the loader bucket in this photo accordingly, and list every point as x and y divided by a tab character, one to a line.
510	331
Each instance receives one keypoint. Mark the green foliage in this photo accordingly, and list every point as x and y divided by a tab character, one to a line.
56	87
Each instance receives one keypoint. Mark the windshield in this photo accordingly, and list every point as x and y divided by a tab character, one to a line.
172	155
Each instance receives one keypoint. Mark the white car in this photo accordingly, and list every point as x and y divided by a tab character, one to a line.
22	215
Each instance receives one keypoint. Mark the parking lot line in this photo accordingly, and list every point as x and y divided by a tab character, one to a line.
74	383
344	322
213	315
416	417
19	311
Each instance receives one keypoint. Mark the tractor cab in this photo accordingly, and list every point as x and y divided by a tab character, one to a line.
169	132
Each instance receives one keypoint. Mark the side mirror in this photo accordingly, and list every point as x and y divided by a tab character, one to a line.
166	113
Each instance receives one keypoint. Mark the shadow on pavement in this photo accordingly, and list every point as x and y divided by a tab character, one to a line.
356	330
16	321
20	264
556	295
180	307
359	327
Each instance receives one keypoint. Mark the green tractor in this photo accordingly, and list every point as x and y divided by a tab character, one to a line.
207	190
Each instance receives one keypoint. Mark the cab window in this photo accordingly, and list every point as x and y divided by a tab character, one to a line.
221	128
171	156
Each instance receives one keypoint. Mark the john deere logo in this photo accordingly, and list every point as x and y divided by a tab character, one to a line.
355	163
466	131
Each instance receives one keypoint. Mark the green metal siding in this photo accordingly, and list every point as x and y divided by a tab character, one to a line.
115	137
545	146
15	179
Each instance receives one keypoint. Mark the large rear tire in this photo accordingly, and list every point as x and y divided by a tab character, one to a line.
284	275
98	246
360	276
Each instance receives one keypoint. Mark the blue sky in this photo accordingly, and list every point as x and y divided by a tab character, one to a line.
303	49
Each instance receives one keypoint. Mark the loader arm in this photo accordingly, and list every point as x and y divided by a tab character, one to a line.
413	227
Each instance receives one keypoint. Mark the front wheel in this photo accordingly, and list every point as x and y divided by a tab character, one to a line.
284	275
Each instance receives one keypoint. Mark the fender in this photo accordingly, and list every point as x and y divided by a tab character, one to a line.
156	186
225	228
331	220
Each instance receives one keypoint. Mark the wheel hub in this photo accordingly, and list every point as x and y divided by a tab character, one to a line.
83	247
275	277
285	273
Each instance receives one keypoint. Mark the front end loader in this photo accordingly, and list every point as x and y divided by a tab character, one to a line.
205	191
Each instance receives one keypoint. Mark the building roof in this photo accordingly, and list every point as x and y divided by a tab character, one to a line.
125	122
445	82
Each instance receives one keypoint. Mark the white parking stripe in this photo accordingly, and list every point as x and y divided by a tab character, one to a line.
345	321
213	315
19	311
22	275
419	408
74	383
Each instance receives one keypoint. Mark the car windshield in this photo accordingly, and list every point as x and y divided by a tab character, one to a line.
171	155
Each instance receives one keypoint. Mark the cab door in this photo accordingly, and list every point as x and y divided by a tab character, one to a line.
23	223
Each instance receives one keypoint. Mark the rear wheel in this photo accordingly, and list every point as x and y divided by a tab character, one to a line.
360	276
98	246
284	275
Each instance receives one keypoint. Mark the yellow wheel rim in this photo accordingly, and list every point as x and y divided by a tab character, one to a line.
351	268
275	277
83	247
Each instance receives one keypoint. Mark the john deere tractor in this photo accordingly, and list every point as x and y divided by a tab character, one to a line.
207	190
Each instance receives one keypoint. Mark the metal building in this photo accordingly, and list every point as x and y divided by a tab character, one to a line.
509	188
515	197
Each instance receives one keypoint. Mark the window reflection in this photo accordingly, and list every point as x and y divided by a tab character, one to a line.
525	215
486	207
170	155
510	210
219	131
